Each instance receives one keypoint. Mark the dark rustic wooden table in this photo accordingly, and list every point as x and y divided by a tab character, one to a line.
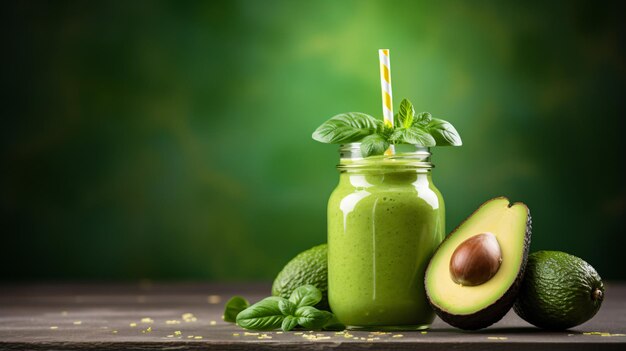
149	316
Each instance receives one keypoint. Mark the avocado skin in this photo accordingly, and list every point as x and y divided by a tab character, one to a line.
308	267
493	313
557	291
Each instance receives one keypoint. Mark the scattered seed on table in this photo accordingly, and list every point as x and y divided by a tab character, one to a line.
54	327
214	299
77	322
605	334
189	317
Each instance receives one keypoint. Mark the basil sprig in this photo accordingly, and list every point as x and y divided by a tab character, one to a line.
277	312
235	305
375	136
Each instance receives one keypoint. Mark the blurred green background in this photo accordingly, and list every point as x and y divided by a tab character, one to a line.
171	139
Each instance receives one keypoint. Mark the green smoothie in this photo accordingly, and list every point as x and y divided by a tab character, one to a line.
385	220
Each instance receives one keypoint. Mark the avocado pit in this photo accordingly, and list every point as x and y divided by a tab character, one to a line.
476	260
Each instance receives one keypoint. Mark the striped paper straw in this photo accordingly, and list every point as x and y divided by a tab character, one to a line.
385	86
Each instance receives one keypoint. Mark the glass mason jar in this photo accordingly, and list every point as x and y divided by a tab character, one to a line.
385	220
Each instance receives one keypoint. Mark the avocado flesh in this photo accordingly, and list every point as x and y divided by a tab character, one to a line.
475	307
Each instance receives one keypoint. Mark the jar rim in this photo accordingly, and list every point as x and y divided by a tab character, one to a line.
406	157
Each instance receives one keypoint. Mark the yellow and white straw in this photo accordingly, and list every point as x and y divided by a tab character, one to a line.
385	86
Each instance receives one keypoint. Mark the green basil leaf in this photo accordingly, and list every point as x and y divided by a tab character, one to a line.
385	130
405	114
287	307
289	323
374	144
312	318
306	295
414	135
346	128
276	298
422	118
232	308
263	315
444	133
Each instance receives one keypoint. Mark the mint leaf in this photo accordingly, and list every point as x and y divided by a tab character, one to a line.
232	308
405	114
444	133
306	295
374	144
414	135
422	118
287	307
263	315
312	318
289	323
346	128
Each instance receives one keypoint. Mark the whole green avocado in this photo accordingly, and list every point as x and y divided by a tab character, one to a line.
559	291
308	267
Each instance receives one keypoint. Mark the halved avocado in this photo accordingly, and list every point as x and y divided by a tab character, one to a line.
476	306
